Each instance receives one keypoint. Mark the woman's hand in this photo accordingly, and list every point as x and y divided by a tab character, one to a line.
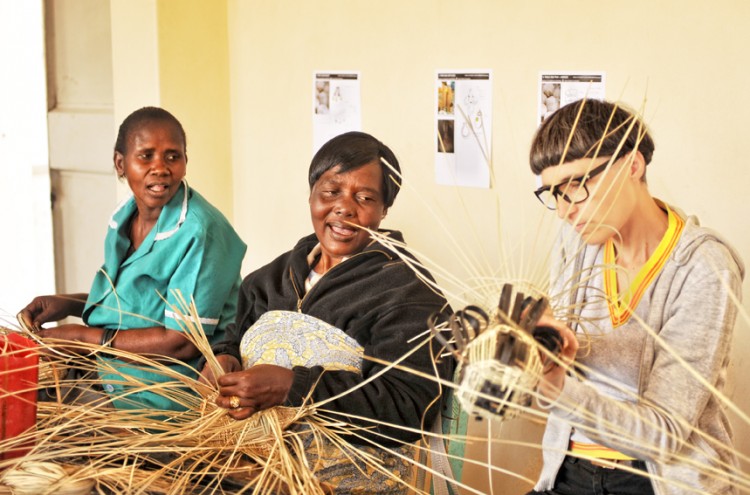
44	309
554	378
228	363
257	388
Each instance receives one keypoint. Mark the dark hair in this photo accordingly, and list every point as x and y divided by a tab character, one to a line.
140	117
353	150
593	128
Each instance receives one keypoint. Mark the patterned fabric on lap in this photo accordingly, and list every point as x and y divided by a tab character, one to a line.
289	339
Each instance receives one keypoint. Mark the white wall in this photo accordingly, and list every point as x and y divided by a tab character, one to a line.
81	137
685	58
81	54
26	262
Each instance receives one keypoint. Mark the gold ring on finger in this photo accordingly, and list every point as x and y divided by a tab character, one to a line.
234	401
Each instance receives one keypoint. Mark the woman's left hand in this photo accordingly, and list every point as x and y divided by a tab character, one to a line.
259	387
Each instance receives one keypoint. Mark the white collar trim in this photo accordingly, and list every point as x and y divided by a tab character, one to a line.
165	235
161	235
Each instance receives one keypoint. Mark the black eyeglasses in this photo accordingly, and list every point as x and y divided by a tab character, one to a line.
572	190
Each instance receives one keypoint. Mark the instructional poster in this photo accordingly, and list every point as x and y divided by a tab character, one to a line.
463	128
336	105
557	89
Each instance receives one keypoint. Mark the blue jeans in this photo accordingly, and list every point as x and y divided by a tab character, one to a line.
580	477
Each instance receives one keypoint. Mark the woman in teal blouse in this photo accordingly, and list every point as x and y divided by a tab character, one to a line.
165	238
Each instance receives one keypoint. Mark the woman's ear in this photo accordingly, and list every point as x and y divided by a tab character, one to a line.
637	166
385	212
119	164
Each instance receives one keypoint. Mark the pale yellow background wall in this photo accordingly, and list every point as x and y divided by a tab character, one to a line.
194	77
686	58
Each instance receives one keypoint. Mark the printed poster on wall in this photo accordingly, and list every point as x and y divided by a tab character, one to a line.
336	105
463	128
557	89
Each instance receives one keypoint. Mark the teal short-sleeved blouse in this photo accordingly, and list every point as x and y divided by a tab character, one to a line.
192	249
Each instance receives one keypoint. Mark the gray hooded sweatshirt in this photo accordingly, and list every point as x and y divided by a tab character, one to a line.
648	388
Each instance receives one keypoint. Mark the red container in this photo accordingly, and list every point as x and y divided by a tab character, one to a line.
19	375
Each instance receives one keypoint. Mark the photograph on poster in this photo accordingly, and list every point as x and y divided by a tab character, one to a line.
322	96
446	92
445	136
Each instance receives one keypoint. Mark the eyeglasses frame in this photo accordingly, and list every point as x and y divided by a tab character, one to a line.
557	192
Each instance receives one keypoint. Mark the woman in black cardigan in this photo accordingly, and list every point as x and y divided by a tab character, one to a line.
340	278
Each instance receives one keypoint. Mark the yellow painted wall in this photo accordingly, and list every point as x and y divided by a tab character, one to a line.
685	58
135	57
193	54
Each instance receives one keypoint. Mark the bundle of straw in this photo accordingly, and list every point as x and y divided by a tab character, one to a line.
136	450
34	477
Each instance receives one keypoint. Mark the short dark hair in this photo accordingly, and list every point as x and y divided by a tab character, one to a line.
352	150
592	128
140	117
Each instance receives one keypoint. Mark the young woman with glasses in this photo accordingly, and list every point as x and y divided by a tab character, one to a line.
643	299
